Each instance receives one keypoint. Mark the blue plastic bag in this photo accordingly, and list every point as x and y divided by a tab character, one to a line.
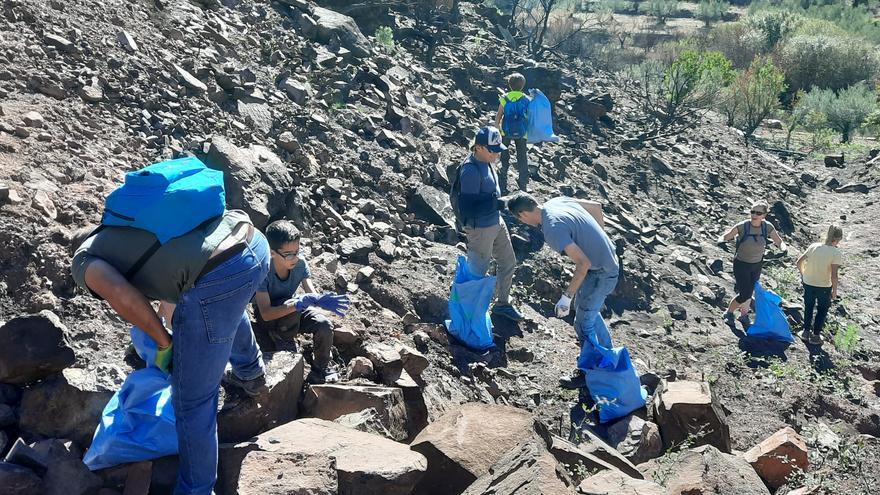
469	308
540	119
138	423
613	382
770	321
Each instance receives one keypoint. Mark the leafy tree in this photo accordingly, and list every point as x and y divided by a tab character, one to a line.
846	110
754	95
774	26
829	62
710	11
737	41
659	9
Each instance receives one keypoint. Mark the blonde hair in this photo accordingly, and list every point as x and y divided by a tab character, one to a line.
761	204
835	233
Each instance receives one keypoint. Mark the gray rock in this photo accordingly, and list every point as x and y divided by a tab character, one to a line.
617	483
706	470
126	41
66	474
243	417
332	401
18	480
33	119
33	347
356	249
855	187
7	416
684	409
638	440
24	455
332	26
528	468
189	80
361	367
62	44
432	205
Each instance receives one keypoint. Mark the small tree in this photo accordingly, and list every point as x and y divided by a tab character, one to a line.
800	112
755	94
659	9
845	111
710	11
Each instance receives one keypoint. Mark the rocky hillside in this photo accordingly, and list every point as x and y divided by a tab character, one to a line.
313	119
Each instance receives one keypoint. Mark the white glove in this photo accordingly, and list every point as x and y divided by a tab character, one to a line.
563	307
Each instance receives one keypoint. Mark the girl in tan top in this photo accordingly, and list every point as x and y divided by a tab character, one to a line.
819	266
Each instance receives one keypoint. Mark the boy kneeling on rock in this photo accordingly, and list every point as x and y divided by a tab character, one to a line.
282	315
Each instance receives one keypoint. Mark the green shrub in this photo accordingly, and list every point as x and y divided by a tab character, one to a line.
773	26
844	111
710	11
659	9
830	62
737	41
385	38
753	96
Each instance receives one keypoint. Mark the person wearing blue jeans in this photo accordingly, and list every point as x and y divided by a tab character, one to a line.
205	279
574	228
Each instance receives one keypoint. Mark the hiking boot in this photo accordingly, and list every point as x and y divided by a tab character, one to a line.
320	376
252	388
727	317
815	339
573	380
507	311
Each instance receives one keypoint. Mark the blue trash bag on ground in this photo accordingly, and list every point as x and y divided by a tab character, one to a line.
138	423
613	382
540	119
469	301
770	321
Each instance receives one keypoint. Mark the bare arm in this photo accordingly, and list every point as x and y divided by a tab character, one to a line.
778	240
269	312
800	262
835	269
582	266
729	235
126	300
595	209
307	286
499	115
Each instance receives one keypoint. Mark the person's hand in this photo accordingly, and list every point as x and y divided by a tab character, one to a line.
333	302
303	302
834	296
783	247
563	307
163	359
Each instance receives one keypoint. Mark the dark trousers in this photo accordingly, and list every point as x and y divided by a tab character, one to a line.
746	275
522	164
284	330
813	295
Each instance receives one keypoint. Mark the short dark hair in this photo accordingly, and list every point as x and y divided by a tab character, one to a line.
516	81
521	202
280	232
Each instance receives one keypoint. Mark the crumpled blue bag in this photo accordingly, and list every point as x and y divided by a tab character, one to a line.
540	119
138	423
770	321
613	382
469	301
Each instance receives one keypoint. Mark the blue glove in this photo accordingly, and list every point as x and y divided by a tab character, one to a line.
336	303
305	301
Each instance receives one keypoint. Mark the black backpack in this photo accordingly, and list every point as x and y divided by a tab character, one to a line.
453	172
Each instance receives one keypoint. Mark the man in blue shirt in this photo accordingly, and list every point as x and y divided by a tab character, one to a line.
282	315
479	212
574	227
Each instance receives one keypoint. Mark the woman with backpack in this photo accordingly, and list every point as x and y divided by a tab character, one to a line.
751	243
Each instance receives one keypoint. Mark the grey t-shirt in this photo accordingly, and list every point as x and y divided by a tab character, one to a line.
171	270
282	290
564	221
751	249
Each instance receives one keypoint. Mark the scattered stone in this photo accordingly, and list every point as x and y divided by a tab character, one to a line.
356	248
364	274
189	80
775	458
126	41
465	442
345	337
243	417
361	367
432	205
298	91
773	124
24	455
33	347
44	204
853	188
22	132
46	406
7	417
528	468
33	119
333	27
660	165
288	142
334	400
835	161
91	94
592	451
414	362
19	480
62	44
705	470
782	217
299	458
616	483
683	409
638	440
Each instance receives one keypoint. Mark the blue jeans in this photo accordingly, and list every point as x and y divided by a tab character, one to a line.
211	328
589	300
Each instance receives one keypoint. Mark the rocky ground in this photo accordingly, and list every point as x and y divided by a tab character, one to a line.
314	121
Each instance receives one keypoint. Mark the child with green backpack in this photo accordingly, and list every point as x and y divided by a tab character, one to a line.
513	120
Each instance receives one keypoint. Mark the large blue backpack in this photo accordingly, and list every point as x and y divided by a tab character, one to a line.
516	117
168	199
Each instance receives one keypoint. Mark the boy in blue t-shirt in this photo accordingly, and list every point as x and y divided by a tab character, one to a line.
282	315
513	120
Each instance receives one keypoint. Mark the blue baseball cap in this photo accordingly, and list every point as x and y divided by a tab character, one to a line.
490	137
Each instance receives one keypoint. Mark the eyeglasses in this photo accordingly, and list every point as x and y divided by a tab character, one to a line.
758	213
288	255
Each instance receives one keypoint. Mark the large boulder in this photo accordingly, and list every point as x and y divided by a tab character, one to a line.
775	458
705	471
256	180
335	28
617	483
243	417
332	401
66	406
590	450
319	458
432	205
465	442
528	468
65	474
688	410
33	347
